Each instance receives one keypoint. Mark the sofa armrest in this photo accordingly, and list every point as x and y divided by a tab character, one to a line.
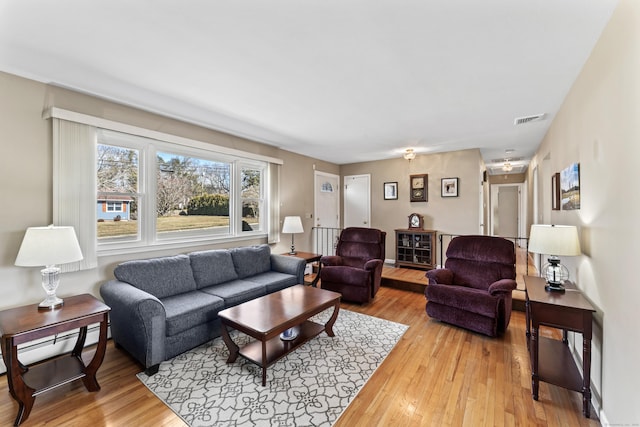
331	260
289	265
502	286
138	321
442	276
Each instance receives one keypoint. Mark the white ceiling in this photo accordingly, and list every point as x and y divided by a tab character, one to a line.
339	80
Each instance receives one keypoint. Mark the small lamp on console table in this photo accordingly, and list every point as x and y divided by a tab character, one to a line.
554	240
293	225
47	246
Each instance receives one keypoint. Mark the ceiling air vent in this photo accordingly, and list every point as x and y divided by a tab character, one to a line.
529	119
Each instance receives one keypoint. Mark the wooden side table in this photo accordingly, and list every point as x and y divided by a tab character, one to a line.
27	323
551	360
310	257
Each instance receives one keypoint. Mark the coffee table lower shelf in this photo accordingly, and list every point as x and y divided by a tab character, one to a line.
276	348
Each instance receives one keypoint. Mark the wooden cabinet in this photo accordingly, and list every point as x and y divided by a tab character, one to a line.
551	360
415	248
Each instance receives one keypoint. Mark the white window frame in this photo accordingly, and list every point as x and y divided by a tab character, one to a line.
146	235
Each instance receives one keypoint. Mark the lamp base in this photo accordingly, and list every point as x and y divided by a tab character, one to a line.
51	302
554	287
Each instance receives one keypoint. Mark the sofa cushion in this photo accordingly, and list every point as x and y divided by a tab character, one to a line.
236	291
274	281
212	267
161	277
190	309
463	298
251	260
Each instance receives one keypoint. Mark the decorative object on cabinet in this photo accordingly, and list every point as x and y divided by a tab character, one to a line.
418	185
555	191
415	247
554	240
390	190
45	247
416	221
570	187
449	187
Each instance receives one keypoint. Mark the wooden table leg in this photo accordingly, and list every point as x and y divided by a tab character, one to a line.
90	380
328	327
22	393
535	381
231	346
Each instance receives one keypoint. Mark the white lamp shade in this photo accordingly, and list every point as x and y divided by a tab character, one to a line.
44	246
554	240
292	224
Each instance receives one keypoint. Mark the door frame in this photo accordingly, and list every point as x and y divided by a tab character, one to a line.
522	208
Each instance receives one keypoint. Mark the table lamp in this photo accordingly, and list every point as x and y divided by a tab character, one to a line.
293	225
554	240
47	246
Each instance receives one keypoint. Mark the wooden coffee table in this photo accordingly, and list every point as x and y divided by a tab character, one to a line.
266	317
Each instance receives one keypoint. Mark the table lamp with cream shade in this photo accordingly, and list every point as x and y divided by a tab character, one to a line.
48	246
554	240
293	225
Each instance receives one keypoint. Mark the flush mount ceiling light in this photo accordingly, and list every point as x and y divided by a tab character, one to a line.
409	154
507	167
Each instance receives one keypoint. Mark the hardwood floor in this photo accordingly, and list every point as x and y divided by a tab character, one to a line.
437	375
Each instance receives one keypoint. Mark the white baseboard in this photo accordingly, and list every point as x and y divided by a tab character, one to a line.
36	351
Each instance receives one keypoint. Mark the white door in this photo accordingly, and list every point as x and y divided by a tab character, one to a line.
357	201
507	211
327	200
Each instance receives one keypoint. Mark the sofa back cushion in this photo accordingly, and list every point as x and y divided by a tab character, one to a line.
251	260
212	267
161	277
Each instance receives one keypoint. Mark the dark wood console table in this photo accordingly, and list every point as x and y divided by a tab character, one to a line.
27	323
551	360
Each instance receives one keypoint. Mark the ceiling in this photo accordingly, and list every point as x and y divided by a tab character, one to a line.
344	81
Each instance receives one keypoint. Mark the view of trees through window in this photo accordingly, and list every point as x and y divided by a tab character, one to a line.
191	194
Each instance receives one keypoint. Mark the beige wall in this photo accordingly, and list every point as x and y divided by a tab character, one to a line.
599	127
26	183
455	215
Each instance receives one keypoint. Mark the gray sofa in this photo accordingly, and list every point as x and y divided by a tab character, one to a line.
162	307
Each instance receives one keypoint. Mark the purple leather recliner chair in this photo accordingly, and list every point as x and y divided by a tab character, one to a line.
474	289
356	269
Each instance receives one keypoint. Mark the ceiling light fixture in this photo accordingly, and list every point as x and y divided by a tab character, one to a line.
409	154
507	167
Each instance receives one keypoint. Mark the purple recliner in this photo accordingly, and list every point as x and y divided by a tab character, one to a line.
473	291
356	269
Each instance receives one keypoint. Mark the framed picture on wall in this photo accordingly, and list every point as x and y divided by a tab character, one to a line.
555	191
570	187
418	185
390	190
449	187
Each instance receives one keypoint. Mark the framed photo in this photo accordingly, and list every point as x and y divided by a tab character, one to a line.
570	187
418	187
555	191
390	190
449	187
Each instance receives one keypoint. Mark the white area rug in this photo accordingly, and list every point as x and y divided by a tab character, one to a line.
310	387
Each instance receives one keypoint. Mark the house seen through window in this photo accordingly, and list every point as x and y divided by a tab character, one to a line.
150	191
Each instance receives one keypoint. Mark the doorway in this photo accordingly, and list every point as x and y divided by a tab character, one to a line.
507	210
357	201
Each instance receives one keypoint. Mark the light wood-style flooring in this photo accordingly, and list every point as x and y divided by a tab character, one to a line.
437	375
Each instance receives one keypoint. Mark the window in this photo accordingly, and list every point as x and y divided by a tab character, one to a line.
155	192
114	206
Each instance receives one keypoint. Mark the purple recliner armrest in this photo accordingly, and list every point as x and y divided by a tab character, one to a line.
502	286
331	260
442	276
372	264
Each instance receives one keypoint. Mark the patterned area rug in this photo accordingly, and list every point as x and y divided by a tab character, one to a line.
311	386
